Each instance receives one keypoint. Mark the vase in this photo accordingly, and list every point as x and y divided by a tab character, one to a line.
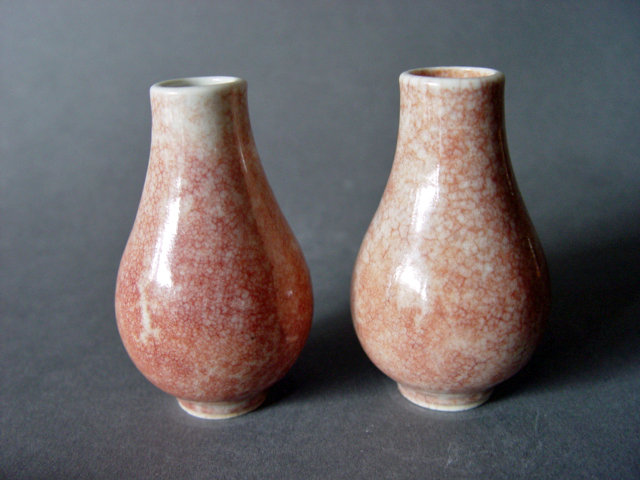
450	290
213	297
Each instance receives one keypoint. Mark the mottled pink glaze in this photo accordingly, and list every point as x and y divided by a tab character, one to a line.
213	297
450	290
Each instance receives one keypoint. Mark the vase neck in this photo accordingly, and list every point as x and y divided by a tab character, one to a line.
448	111
200	115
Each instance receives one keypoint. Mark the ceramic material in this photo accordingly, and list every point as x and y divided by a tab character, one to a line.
213	297
450	288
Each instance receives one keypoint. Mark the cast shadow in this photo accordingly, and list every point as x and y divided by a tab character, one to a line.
592	335
593	332
332	362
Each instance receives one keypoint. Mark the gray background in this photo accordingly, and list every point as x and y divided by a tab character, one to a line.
323	98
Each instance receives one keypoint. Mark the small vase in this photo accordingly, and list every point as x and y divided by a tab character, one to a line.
450	289
213	297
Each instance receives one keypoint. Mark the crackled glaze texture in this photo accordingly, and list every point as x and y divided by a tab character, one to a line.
450	289
213	297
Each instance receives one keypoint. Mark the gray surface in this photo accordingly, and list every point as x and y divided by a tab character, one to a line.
323	97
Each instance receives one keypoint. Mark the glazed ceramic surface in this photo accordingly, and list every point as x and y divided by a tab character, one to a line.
450	289
213	297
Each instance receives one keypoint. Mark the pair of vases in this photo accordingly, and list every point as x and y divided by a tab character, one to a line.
449	292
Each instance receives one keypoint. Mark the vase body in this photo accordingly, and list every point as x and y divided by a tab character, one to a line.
213	295
450	290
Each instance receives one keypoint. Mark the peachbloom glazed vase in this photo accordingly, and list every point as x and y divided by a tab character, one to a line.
450	289
213	296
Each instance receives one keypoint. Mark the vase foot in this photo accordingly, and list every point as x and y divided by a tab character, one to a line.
446	402
222	410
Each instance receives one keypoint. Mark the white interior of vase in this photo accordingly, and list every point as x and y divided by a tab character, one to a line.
198	82
454	72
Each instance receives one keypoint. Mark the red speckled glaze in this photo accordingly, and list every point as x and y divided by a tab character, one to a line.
450	290
213	297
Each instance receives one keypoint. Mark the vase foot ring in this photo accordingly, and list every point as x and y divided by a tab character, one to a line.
222	410
445	402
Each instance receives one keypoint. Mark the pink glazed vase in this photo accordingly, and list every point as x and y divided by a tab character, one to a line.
450	290
213	297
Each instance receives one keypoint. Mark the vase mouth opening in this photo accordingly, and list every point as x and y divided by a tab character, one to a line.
186	84
446	75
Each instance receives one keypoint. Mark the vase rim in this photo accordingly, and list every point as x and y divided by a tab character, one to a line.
185	85
452	75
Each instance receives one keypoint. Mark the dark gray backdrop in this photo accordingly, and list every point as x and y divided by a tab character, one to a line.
323	98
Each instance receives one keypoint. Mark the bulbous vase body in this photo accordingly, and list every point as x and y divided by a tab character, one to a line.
450	289
213	296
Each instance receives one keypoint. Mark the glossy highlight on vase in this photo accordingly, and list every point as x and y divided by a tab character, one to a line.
450	289
213	297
